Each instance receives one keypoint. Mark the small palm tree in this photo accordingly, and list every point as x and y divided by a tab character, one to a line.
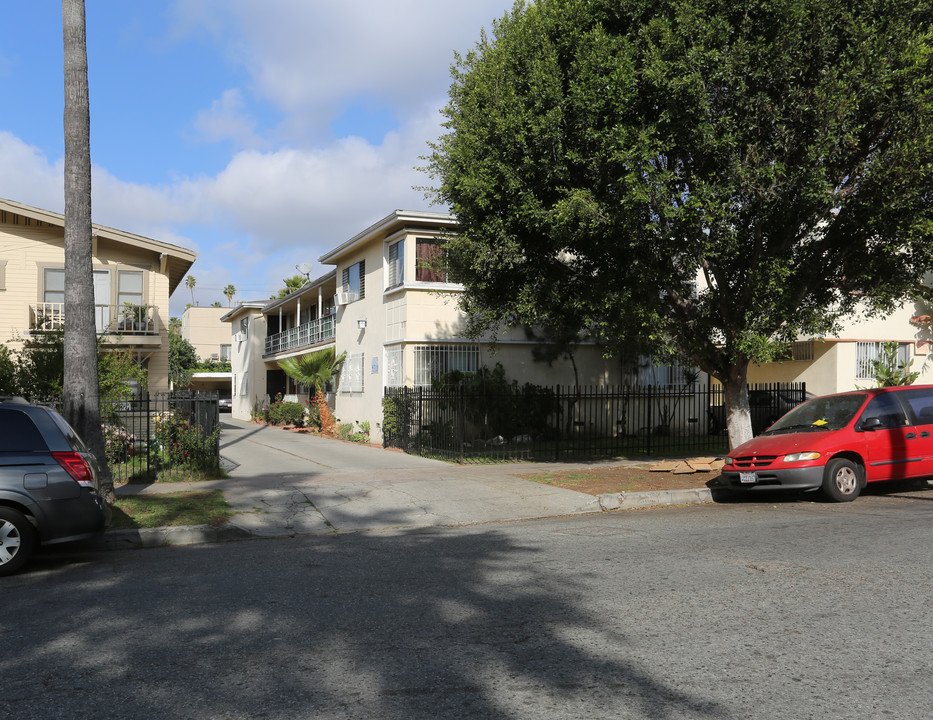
229	291
314	369
190	282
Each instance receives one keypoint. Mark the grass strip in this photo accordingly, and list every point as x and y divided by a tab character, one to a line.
199	507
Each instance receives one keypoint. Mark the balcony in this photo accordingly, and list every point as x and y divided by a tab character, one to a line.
309	333
116	320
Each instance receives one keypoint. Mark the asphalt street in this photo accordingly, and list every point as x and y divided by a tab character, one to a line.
789	609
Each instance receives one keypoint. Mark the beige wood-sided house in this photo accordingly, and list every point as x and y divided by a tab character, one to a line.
133	279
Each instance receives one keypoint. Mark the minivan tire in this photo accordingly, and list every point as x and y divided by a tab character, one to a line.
17	540
842	480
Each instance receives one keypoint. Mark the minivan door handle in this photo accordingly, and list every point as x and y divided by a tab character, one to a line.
924	434
911	436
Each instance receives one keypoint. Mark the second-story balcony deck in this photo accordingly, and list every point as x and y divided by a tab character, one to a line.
306	334
111	320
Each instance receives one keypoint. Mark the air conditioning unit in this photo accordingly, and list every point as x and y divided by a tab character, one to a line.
239	337
345	298
215	356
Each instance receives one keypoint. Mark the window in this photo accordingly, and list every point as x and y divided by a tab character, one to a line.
432	362
430	265
3	274
351	375
129	287
354	279
866	353
887	409
396	264
672	374
225	353
394	367
53	285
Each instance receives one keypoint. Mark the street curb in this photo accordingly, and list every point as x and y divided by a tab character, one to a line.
653	498
205	534
162	536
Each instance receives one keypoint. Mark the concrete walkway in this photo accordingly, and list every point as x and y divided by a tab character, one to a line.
283	483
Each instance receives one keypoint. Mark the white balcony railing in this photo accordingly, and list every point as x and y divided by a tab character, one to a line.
123	319
307	333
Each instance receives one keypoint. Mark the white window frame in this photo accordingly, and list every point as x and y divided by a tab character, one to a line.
395	264
432	362
351	374
868	351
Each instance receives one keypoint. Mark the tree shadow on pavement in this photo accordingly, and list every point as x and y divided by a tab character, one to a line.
419	624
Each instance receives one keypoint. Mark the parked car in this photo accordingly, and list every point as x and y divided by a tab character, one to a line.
49	483
838	443
224	403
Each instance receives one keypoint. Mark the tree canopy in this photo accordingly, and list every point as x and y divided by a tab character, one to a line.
700	175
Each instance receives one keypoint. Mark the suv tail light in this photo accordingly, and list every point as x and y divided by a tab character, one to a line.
76	466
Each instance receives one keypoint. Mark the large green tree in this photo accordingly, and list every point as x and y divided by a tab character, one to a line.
707	176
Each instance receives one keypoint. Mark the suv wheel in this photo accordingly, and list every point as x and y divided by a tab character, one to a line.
17	540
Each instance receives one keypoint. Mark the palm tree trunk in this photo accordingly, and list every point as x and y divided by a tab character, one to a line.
81	390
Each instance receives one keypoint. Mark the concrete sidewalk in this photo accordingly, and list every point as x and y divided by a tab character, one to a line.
283	484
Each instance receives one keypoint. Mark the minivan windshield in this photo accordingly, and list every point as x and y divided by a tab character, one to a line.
823	413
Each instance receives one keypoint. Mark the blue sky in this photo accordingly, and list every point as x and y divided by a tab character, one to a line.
259	133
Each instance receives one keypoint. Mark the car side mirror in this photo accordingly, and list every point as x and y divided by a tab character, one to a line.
870	424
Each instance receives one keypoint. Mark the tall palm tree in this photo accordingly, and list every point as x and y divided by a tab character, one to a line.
229	291
190	282
314	369
81	386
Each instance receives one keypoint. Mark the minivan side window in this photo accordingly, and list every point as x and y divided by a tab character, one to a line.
18	433
921	403
887	409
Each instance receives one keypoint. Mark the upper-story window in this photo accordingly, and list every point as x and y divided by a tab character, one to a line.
430	262
130	287
54	285
396	264
354	279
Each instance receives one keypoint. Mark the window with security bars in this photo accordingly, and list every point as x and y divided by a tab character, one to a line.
867	352
351	375
395	367
432	362
396	264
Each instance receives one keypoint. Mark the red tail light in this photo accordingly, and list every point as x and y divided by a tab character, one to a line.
76	466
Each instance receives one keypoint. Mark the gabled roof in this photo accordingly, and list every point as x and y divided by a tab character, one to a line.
398	220
178	260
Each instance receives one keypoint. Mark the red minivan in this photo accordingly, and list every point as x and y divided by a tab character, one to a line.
838	443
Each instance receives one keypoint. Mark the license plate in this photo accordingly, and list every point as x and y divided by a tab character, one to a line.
748	477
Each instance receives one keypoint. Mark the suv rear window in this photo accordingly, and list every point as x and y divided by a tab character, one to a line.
18	433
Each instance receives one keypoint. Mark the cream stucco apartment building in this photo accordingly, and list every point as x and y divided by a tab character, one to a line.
392	310
133	279
388	306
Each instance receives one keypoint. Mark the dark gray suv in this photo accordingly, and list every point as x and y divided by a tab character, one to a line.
49	483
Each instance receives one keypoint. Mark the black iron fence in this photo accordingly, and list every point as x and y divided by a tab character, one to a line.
165	436
559	423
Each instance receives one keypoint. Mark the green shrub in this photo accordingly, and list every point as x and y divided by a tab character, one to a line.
286	413
345	431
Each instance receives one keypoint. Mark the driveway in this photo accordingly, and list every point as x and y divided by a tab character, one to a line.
283	483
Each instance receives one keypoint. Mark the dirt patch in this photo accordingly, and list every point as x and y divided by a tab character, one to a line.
621	479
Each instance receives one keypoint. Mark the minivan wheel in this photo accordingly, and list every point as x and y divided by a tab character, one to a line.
17	540
842	480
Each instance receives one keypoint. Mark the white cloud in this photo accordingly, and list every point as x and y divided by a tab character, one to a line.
226	120
310	57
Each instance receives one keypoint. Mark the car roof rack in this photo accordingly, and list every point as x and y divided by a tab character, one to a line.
13	400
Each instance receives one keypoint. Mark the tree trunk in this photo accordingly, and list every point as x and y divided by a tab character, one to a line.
81	389
735	399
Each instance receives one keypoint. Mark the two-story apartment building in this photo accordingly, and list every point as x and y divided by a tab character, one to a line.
133	279
390	307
